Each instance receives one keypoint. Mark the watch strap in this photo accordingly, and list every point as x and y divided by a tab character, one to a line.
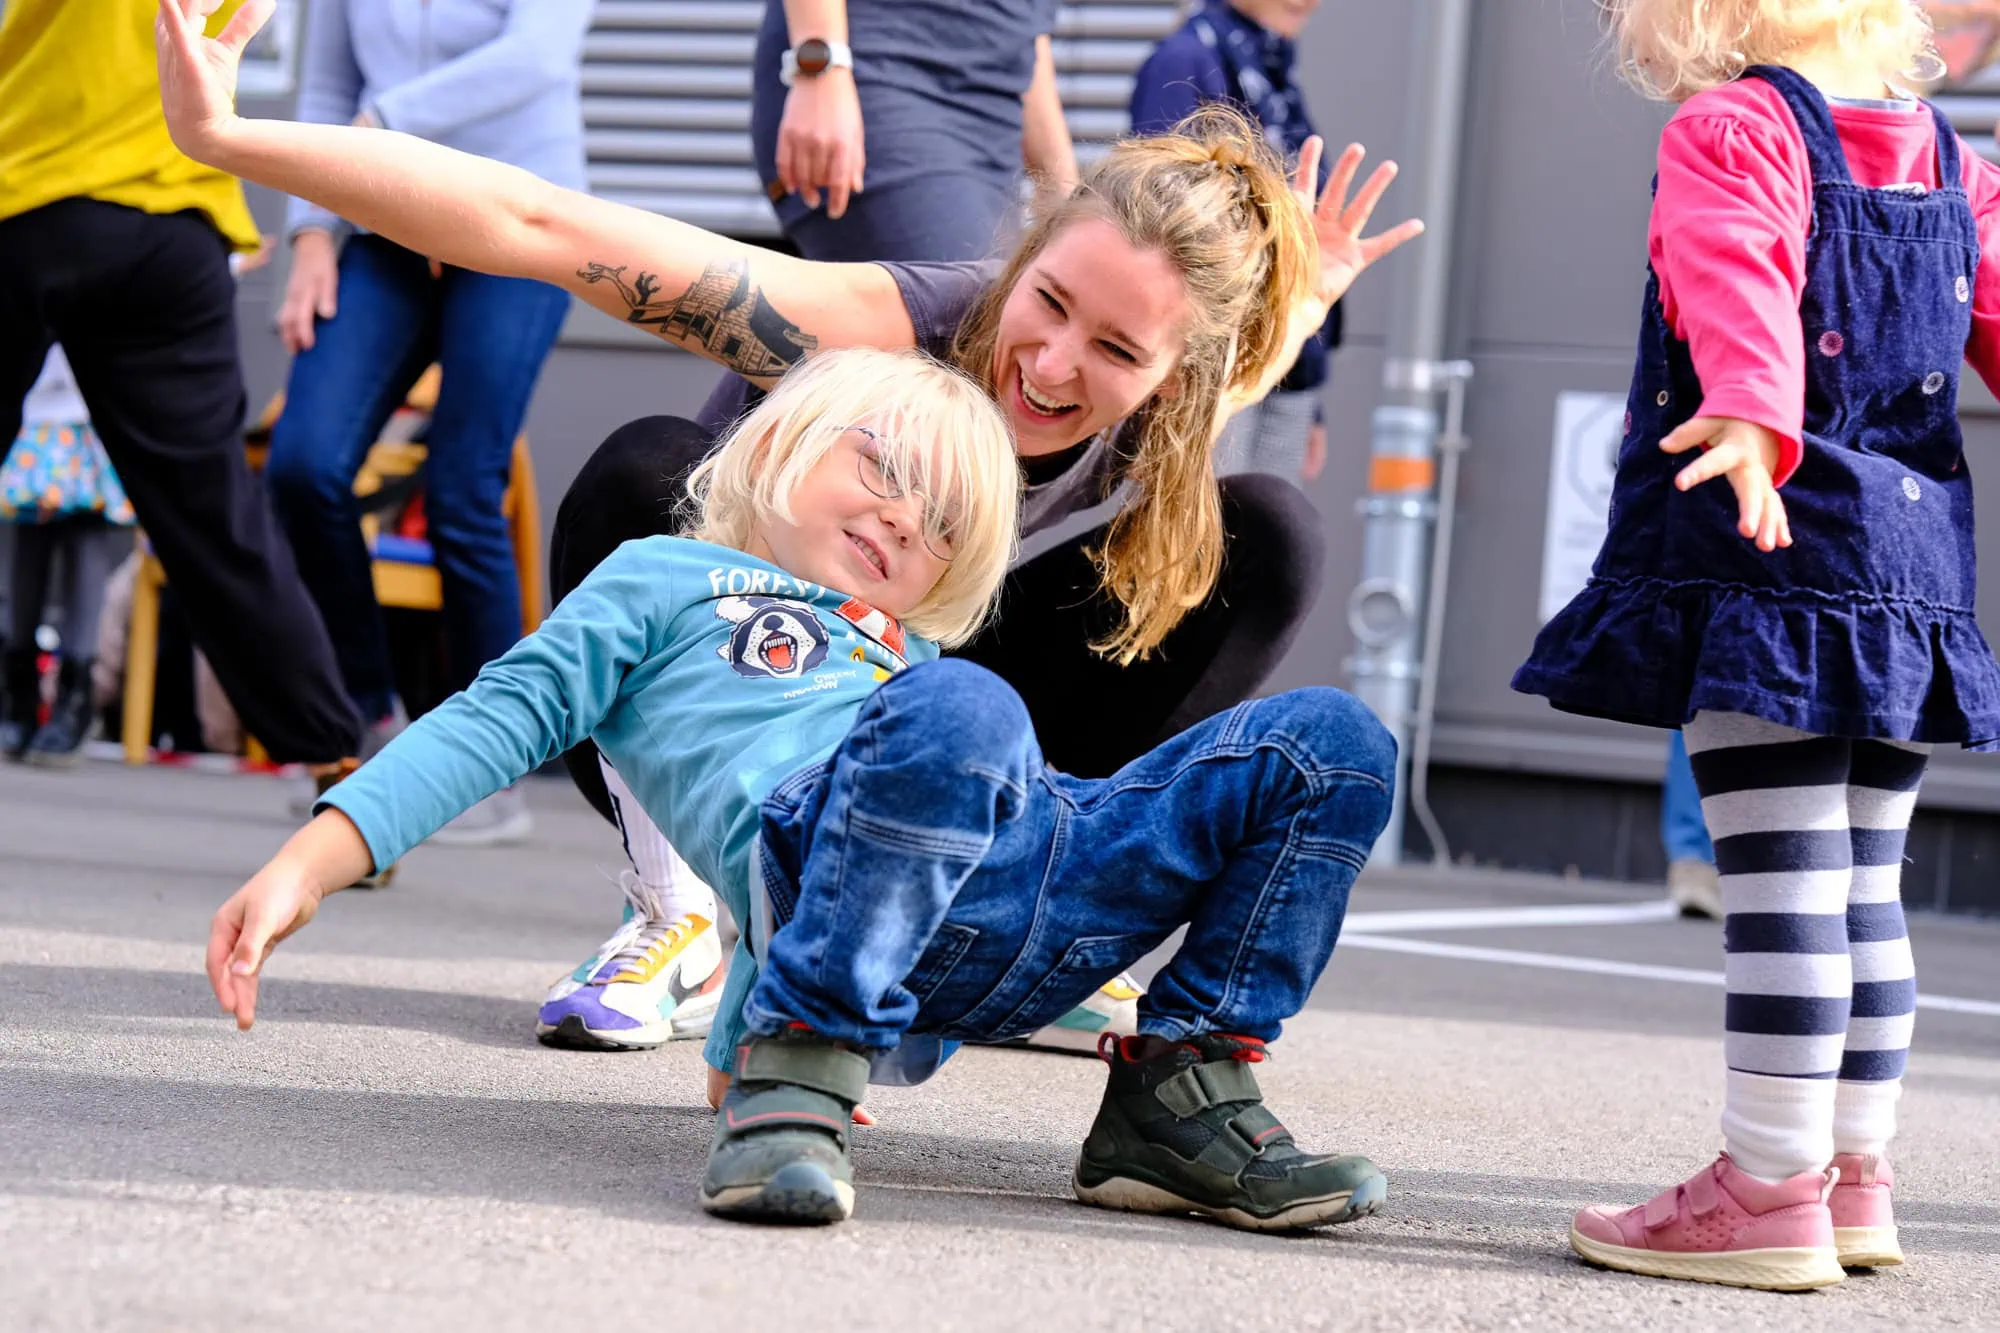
839	55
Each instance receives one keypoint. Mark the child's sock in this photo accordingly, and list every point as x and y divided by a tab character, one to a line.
658	865
1864	1116
1776	1127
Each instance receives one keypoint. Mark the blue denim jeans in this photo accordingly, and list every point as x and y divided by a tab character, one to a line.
935	876
393	319
1683	831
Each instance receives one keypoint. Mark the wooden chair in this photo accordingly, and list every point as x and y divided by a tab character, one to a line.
405	571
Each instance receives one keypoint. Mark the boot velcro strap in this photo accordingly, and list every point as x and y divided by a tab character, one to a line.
1193	1091
1243	1140
783	1107
1259	1128
823	1068
1240	1142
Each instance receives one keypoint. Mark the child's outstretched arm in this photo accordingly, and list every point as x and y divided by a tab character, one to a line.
541	697
1728	243
326	855
665	276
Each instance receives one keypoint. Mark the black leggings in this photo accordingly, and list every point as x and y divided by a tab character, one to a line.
1091	715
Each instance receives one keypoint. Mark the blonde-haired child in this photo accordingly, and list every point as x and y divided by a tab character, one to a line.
1817	279
909	871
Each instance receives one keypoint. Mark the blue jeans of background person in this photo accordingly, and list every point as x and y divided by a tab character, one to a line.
393	319
1683	832
935	876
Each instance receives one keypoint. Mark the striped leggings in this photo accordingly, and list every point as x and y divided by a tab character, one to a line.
1809	833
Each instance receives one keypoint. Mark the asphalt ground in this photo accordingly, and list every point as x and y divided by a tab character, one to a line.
391	1149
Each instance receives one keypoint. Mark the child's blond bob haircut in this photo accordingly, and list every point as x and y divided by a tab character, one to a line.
1673	49
938	430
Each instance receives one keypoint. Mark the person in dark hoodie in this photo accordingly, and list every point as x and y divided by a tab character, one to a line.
1242	52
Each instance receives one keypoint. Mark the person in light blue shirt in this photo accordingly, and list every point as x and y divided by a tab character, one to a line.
910	873
364	316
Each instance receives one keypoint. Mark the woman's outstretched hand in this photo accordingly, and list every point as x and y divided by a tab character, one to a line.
198	72
1338	221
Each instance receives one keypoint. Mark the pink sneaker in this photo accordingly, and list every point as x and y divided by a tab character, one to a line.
1721	1226
1864	1229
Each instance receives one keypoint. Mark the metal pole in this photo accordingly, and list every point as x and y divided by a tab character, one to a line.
1386	608
1453	444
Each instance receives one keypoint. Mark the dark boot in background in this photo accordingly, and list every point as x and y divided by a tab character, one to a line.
20	698
73	720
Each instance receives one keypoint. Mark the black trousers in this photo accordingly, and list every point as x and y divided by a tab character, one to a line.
145	308
1091	715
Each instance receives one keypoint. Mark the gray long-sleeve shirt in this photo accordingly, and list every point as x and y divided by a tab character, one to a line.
499	78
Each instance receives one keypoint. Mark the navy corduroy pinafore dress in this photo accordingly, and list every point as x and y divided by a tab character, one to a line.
1864	626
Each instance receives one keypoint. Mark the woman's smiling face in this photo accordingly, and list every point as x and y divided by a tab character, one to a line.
1091	331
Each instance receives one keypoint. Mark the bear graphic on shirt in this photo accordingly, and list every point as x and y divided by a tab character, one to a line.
775	637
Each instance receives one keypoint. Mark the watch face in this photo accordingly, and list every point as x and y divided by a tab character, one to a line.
812	56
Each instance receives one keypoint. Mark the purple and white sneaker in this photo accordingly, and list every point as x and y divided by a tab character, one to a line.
656	980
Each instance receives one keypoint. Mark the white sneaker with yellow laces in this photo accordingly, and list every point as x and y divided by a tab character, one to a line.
1113	1007
656	980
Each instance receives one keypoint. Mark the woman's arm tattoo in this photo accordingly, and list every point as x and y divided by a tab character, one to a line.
721	314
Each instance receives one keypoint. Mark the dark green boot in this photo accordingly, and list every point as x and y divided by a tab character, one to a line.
1183	1129
780	1150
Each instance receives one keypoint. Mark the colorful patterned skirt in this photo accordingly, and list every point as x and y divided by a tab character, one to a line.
60	470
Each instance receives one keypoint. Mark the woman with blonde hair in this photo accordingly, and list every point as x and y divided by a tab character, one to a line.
1821	249
1172	287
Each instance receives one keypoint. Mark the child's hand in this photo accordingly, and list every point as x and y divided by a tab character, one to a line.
277	901
1747	454
327	854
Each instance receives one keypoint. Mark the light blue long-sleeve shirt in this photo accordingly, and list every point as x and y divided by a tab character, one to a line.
499	78
706	676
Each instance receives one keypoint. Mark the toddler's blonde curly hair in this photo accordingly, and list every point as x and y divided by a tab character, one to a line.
1673	49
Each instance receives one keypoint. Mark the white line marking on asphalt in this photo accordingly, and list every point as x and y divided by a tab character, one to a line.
1499	918
1608	967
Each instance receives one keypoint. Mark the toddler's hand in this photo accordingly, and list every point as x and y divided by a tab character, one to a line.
277	901
1747	454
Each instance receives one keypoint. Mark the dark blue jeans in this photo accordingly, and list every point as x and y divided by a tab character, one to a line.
491	335
935	876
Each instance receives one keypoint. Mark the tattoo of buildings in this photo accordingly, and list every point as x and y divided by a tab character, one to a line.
721	313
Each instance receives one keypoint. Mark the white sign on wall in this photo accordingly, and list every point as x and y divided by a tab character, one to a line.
1589	429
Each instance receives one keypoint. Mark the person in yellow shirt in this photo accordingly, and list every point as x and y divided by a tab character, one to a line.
117	246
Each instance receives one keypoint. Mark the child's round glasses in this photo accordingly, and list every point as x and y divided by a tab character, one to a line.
878	474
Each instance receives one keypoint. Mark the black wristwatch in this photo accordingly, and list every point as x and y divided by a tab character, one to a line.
813	56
